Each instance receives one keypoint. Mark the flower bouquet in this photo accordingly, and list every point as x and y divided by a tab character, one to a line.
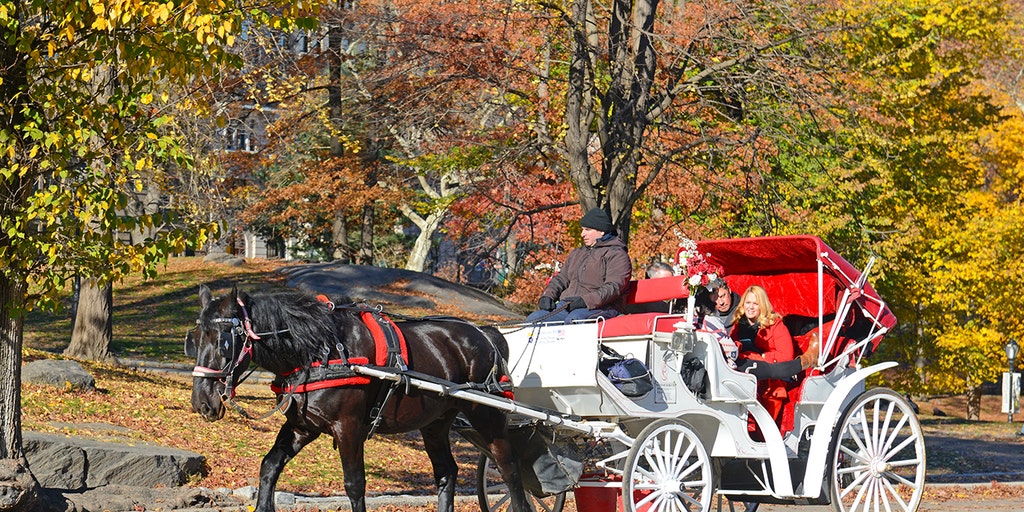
699	272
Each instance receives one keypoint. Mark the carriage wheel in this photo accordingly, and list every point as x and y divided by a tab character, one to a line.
667	470
878	455
493	493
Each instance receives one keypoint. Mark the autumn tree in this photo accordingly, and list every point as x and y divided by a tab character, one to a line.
690	88
70	157
920	195
418	97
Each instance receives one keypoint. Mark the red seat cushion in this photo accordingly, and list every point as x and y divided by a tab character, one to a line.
656	289
638	324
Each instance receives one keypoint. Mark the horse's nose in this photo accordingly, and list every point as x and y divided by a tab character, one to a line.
210	413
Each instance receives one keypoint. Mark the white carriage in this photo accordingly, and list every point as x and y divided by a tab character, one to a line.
822	438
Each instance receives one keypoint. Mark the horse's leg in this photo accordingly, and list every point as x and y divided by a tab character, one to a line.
490	423
350	438
446	471
290	440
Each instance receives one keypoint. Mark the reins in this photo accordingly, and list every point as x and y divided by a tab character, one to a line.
561	307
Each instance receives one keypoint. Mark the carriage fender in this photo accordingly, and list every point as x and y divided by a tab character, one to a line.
713	432
824	428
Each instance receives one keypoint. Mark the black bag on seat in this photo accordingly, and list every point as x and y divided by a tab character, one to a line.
695	376
629	374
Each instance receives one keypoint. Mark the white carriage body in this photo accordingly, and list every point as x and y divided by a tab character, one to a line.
555	367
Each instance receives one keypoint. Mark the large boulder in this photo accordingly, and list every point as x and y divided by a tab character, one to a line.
61	373
63	462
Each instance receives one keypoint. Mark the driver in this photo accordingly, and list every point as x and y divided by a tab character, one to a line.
593	278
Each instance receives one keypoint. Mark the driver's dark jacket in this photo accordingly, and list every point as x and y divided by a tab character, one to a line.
598	274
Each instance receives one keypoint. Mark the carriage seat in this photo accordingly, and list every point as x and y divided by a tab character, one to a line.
801	328
651	293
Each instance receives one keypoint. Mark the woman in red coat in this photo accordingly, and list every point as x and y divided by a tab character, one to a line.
767	351
763	338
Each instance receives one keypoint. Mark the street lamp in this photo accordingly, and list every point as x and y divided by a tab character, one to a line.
1012	349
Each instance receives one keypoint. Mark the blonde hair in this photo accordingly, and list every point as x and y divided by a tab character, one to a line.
767	317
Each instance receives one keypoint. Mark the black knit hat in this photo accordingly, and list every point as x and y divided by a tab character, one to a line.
597	219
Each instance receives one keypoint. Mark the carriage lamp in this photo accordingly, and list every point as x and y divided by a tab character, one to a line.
1012	349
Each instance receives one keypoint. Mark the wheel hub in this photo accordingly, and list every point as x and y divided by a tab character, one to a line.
879	467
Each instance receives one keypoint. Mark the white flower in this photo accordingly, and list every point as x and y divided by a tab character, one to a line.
694	280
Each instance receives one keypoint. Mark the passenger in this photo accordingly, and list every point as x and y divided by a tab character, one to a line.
766	349
659	269
654	270
722	304
593	278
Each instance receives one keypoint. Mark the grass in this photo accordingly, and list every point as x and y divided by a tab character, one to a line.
151	316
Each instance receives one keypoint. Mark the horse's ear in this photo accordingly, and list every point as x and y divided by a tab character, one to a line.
233	298
204	295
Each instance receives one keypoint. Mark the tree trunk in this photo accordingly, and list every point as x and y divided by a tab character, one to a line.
366	236
339	238
19	490
974	403
417	260
93	323
579	107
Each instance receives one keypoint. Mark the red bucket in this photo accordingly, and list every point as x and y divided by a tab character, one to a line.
601	493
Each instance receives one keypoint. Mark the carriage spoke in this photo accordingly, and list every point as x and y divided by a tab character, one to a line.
897	477
858	479
859	456
906	442
863	494
894	492
863	438
875	433
895	433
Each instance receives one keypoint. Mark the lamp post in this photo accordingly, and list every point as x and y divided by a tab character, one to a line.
1012	349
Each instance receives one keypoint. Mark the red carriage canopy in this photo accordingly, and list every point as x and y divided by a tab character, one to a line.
787	268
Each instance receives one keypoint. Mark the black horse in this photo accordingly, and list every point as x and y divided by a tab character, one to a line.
291	334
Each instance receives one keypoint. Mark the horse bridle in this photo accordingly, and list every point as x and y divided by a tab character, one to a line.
237	329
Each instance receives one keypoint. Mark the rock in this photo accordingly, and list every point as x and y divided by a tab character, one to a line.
55	464
73	463
216	257
234	262
17	490
61	373
247	493
284	499
120	497
224	259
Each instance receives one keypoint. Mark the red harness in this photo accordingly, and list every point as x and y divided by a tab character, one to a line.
372	321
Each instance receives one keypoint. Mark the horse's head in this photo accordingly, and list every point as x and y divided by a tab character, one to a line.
221	342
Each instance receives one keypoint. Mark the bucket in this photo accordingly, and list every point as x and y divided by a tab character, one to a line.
601	493
598	499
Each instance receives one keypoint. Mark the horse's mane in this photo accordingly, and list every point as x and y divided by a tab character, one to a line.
311	330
